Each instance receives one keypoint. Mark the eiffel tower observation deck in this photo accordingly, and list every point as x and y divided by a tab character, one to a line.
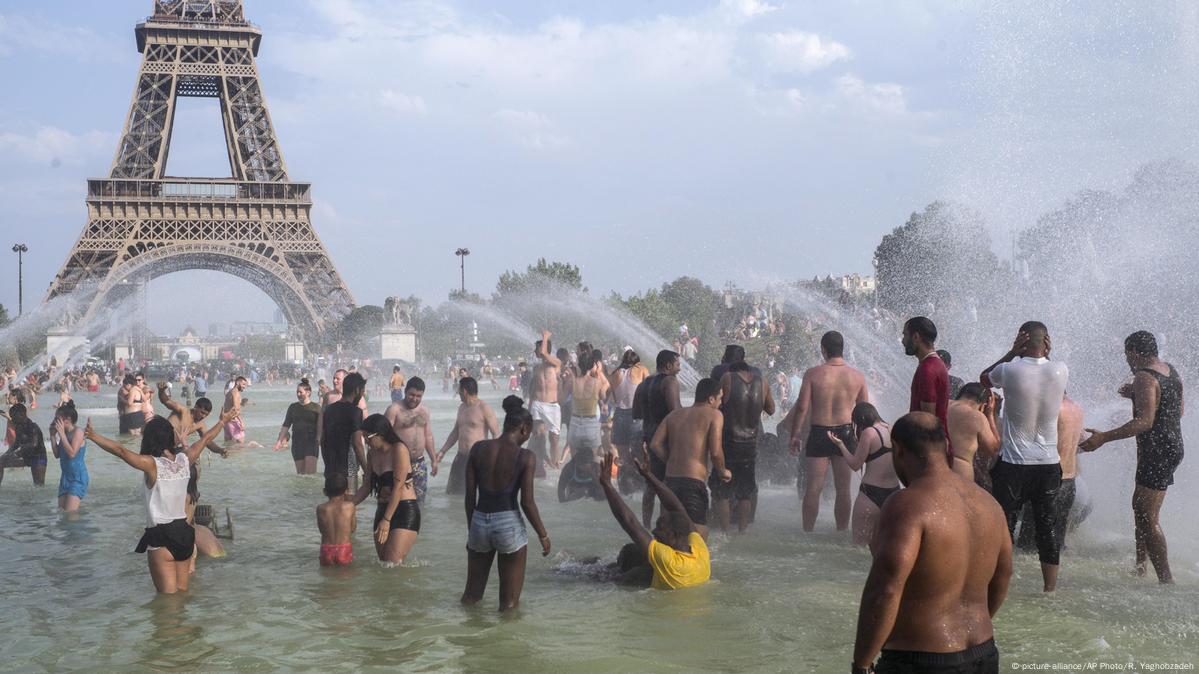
143	223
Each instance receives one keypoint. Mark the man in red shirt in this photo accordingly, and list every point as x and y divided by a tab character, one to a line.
930	384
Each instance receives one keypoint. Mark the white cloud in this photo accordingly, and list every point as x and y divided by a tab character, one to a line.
801	52
881	98
20	35
532	129
51	145
748	8
402	103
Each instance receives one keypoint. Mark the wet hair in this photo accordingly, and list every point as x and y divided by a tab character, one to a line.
666	358
67	411
864	416
241	378
129	379
395	368
18	410
974	391
740	366
377	424
204	405
920	433
733	353
516	415
706	388
19	395
336	484
597	356
629	359
586	362
469	385
945	358
305	385
356	382
583	347
1141	343
157	437
833	344
922	326
414	384
563	355
1037	332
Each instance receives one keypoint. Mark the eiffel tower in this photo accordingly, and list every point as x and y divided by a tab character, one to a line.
143	224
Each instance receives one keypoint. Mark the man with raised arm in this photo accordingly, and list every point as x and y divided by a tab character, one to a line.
675	550
827	396
547	414
942	563
187	421
688	441
475	422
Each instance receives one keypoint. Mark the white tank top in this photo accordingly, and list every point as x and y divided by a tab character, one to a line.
625	390
166	501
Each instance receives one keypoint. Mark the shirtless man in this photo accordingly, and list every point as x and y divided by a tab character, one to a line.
972	428
476	421
410	419
654	398
547	414
825	405
942	564
396	384
188	421
235	429
686	441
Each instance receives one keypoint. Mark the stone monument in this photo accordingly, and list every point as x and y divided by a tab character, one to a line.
397	337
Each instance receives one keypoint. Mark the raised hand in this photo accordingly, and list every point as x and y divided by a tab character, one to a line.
606	469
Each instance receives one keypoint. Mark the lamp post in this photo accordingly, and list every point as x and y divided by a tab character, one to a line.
20	249
462	253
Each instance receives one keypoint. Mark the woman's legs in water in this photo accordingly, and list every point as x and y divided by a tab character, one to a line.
309	465
1151	540
207	543
512	578
399	544
168	575
865	519
478	568
842	476
69	503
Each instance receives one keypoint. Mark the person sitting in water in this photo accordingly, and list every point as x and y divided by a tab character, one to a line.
170	540
27	447
336	519
499	484
880	482
397	514
687	441
69	447
942	564
675	551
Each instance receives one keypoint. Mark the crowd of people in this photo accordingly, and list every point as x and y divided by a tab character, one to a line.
942	493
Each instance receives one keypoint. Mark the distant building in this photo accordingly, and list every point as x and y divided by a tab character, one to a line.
854	284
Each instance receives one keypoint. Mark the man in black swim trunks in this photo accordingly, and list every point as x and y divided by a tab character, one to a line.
686	441
1157	405
656	396
825	405
745	397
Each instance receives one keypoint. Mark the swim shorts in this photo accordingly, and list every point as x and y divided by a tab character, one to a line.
302	450
742	463
625	429
1155	469
503	532
980	659
336	555
819	446
549	414
406	516
132	421
235	430
694	495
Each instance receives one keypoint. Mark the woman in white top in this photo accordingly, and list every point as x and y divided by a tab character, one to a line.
169	538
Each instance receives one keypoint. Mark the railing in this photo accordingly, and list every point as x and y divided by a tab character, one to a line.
197	189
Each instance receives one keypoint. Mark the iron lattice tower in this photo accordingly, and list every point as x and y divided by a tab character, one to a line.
255	225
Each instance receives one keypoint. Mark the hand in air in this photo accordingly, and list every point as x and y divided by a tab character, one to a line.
162	386
228	415
1092	443
87	430
605	475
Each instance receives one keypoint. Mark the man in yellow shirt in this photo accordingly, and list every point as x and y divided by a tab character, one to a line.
675	551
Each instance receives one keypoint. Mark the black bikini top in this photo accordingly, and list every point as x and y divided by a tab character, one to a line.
385	481
881	451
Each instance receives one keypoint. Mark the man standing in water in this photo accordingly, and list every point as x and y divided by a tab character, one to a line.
1157	407
930	384
547	414
745	397
396	384
475	422
341	428
654	398
235	428
330	397
825	405
188	421
941	566
972	427
410	420
686	441
1029	467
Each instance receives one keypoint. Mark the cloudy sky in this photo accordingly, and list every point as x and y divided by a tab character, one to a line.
743	140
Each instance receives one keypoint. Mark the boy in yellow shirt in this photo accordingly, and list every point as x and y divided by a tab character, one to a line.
675	551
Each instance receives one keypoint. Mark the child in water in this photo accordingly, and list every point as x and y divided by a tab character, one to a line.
337	519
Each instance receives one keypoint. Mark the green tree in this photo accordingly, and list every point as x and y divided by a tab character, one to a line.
538	276
4	320
361	326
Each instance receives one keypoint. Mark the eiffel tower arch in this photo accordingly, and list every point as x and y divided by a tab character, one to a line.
255	225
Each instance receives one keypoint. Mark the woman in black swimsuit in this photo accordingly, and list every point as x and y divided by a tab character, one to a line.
397	515
879	480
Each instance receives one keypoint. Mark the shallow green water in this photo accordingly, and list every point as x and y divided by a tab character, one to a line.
76	597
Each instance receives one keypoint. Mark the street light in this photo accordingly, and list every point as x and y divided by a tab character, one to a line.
20	249
462	253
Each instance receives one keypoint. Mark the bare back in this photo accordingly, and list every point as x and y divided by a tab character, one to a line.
965	423
689	436
834	390
336	521
959	537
